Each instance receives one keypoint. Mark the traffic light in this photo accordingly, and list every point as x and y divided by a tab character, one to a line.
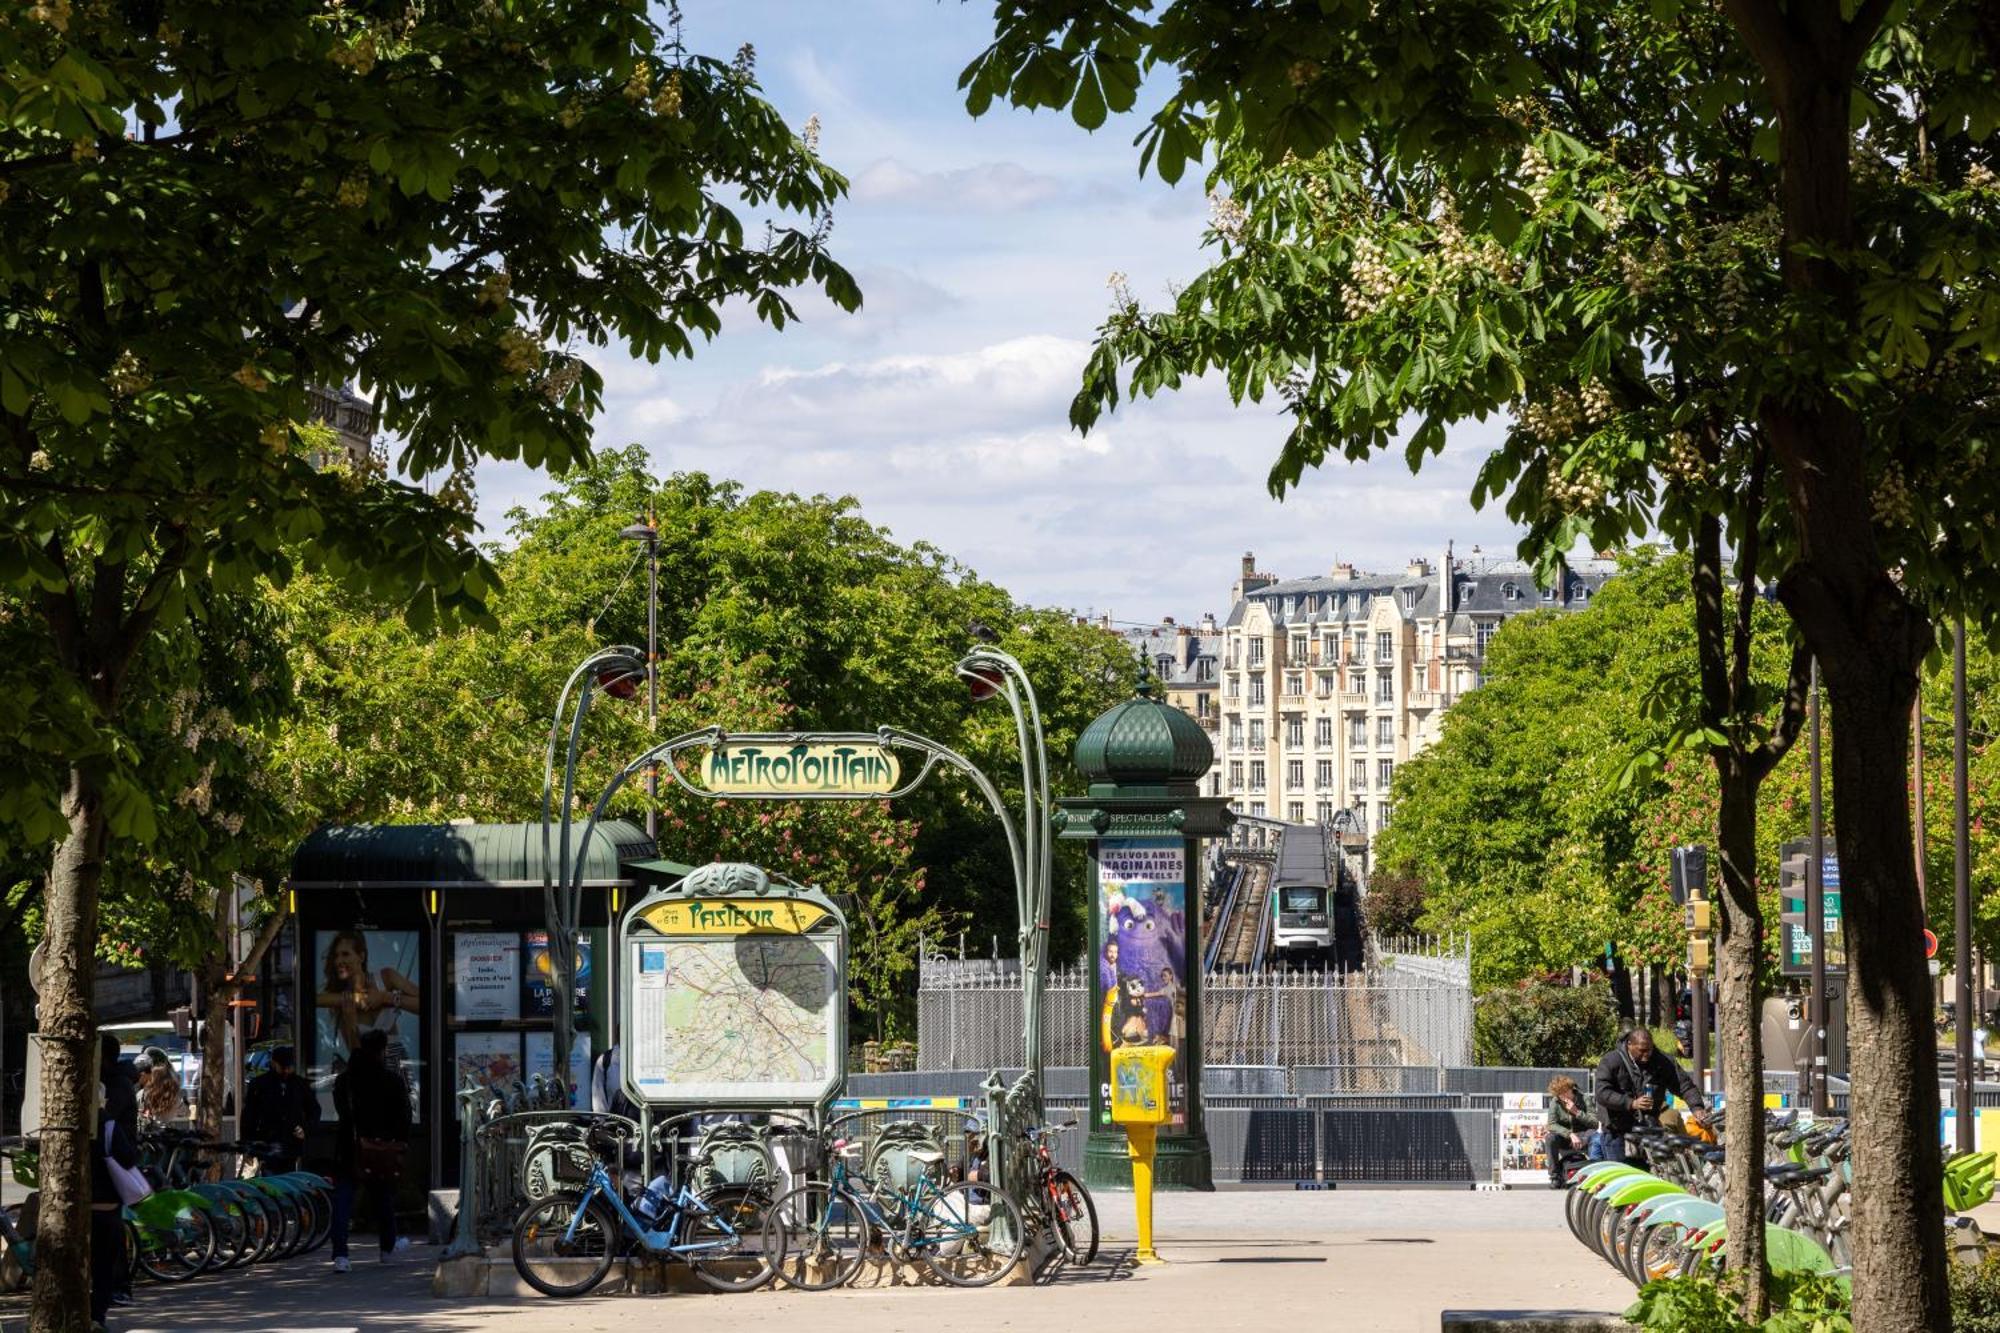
1698	955
1700	916
1687	873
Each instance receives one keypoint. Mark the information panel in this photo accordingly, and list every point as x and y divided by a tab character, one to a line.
736	1000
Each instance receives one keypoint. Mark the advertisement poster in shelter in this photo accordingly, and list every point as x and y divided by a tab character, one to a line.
486	976
1524	1157
542	1060
538	997
1141	967
487	1059
367	981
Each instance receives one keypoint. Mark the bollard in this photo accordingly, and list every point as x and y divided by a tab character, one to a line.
1139	1103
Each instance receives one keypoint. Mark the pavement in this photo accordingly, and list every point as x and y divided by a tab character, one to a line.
1387	1261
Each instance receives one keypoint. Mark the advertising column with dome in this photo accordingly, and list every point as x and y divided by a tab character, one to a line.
1144	819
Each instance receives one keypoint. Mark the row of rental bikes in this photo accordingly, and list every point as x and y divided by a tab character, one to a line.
835	1208
192	1223
1665	1218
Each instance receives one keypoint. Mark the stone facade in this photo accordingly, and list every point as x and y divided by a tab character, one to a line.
1325	685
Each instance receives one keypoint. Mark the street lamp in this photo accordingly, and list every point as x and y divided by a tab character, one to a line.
648	534
615	670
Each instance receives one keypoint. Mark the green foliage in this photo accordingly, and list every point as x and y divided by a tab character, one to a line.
1540	1023
777	612
1521	819
1975	1296
209	214
1394	905
1801	1302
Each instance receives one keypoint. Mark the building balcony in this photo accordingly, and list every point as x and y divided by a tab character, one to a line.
1425	699
1292	700
1354	698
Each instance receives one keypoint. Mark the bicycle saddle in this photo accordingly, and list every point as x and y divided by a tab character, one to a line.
925	1155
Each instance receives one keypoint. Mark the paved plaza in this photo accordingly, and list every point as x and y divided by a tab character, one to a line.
1386	1261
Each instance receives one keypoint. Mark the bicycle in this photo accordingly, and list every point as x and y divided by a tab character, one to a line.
561	1233
967	1234
1071	1210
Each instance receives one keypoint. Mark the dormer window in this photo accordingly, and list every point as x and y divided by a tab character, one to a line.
1166	665
1509	592
1548	594
1409	599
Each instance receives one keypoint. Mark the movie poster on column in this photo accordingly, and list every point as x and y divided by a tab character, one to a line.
367	980
1142	965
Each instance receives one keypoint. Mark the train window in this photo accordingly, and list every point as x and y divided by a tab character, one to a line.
1302	899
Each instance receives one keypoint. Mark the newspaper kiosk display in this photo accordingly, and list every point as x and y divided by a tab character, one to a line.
735	992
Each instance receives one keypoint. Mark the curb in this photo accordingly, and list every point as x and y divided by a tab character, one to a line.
1531	1321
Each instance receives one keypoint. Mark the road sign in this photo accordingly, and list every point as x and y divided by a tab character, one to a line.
1930	943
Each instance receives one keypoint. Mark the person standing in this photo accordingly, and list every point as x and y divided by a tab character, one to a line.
160	1100
278	1109
110	1277
121	1095
374	1110
121	1107
1633	1082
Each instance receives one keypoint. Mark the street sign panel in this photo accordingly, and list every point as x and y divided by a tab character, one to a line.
1930	943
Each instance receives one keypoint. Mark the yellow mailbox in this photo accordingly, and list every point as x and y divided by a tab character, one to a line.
1139	1102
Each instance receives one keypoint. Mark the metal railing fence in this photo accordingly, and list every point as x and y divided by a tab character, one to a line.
1410	1009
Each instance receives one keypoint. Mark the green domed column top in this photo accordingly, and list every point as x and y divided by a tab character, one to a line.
1145	818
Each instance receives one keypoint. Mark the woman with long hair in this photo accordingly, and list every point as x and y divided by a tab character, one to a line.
351	990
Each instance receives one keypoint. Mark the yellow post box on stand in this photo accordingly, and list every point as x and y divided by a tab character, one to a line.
1139	1102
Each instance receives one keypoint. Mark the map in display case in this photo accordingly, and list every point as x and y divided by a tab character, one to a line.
735	1000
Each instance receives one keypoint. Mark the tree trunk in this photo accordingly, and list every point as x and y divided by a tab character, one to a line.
1898	1200
61	1300
1870	639
1740	1030
216	993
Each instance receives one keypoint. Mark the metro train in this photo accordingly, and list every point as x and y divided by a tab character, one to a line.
1301	901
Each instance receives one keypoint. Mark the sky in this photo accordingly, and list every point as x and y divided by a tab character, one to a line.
983	250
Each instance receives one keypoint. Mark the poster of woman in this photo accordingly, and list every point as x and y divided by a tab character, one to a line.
369	981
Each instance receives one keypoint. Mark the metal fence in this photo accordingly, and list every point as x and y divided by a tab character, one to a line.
1407	1008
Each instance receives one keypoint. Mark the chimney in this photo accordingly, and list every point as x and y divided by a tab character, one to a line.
1208	622
1249	563
1167	621
1343	570
1419	567
1445	582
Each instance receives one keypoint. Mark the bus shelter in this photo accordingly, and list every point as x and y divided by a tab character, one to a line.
435	934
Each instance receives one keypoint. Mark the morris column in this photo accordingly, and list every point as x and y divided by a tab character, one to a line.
1145	818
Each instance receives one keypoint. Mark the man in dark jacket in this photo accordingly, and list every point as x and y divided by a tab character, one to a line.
278	1108
374	1110
1633	1081
121	1095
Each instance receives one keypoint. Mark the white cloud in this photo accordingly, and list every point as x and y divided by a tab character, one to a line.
989	187
1148	515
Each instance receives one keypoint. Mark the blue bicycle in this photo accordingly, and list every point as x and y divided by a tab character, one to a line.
564	1245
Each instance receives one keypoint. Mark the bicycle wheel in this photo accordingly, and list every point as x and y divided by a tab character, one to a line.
1075	1214
179	1252
969	1235
732	1255
563	1246
322	1202
816	1236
